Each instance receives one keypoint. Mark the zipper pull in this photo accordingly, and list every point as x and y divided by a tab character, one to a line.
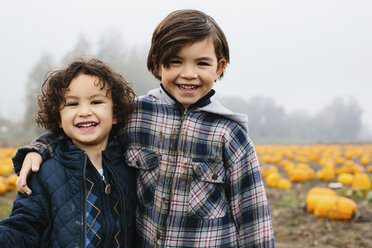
107	186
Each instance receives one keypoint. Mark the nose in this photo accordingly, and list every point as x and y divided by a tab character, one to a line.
84	110
189	72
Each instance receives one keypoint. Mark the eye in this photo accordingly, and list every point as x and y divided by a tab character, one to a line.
203	63
71	104
95	102
175	62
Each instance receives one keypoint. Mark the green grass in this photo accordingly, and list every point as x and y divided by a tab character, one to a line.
287	201
6	204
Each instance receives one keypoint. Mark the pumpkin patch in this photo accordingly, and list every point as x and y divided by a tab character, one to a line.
7	178
322	166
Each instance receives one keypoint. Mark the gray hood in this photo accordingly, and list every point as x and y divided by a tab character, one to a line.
214	107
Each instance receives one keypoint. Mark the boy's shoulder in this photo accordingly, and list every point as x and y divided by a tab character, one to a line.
219	111
65	155
49	166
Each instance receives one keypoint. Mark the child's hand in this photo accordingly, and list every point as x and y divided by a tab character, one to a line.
31	163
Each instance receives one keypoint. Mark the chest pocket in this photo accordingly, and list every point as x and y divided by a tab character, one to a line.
207	199
147	163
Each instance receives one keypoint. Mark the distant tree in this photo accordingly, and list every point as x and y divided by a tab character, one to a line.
5	125
112	49
268	118
300	126
341	120
131	62
81	49
267	121
135	70
33	89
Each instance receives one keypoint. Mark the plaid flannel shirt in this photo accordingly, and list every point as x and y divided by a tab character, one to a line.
199	180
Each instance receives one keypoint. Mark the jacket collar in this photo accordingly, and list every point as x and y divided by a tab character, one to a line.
204	101
71	156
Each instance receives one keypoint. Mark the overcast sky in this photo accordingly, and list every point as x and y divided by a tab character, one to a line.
302	53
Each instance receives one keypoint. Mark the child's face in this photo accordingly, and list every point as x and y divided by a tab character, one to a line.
87	117
192	72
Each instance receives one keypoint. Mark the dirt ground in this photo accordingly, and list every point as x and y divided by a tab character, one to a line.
295	228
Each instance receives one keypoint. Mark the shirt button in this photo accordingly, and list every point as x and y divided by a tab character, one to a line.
158	234
214	176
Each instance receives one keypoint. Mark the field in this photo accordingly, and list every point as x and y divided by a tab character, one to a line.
294	226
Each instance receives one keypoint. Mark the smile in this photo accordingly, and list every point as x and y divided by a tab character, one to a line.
188	87
86	125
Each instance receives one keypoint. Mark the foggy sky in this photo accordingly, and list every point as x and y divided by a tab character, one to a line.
301	53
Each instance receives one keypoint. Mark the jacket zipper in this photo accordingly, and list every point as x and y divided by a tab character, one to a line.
173	179
84	200
122	200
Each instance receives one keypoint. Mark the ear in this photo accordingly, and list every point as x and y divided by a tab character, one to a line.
221	64
114	121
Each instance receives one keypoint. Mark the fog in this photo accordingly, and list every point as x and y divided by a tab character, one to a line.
301	54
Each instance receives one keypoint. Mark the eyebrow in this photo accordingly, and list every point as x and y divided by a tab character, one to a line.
205	58
90	97
200	58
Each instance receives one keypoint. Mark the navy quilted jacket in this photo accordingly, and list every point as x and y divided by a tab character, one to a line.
54	215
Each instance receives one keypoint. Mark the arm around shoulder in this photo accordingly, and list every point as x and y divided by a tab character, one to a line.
44	145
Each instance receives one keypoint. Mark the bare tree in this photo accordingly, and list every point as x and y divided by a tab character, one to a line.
340	121
33	89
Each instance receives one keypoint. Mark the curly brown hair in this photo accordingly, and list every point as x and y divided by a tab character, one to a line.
57	82
180	28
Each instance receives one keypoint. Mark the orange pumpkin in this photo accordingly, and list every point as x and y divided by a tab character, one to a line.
345	178
326	174
335	207
284	184
11	181
273	179
267	171
297	175
3	186
315	194
365	159
361	182
341	170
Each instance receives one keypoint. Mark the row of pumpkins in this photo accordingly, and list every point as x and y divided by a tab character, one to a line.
349	165
295	161
7	178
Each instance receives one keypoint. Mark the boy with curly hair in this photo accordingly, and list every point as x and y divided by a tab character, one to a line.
83	196
199	182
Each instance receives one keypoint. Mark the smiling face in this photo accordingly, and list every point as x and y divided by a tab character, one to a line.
87	117
192	72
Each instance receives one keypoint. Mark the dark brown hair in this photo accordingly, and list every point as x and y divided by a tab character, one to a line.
57	82
180	28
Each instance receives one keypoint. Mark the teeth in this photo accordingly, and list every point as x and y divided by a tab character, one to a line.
188	87
87	124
